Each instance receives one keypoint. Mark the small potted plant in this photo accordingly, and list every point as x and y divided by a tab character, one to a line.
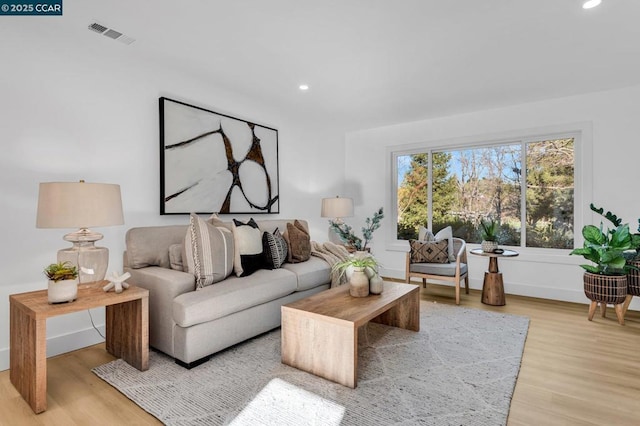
489	233
364	269
63	282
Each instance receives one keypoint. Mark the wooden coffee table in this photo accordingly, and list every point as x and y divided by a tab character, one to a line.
127	328
320	333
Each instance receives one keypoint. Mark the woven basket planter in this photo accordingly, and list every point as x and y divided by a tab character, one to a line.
633	279
610	289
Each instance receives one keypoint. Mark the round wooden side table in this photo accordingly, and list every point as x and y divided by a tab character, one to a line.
493	286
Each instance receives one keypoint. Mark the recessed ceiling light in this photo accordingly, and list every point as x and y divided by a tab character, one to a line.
303	87
589	4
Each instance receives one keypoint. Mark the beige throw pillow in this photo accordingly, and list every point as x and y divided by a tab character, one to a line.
207	252
447	234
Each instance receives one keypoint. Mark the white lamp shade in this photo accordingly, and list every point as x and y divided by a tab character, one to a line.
337	207
79	205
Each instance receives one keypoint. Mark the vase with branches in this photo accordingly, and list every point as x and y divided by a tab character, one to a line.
348	237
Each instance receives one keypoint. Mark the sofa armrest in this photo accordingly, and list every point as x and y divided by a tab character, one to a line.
164	285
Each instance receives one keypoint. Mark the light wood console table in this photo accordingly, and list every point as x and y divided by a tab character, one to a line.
320	332
127	328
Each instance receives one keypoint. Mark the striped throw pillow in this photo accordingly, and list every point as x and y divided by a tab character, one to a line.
275	249
207	252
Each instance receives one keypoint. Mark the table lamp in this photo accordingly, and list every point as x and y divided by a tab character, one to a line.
81	205
336	208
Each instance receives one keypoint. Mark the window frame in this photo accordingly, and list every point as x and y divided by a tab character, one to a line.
583	185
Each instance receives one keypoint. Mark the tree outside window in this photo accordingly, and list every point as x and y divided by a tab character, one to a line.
476	183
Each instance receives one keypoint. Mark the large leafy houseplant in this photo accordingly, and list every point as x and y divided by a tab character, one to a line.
606	248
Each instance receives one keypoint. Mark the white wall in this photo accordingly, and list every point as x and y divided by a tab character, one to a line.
613	117
74	109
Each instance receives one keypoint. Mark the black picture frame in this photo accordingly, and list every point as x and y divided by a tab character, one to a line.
215	163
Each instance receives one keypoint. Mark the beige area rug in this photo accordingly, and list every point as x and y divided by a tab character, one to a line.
460	369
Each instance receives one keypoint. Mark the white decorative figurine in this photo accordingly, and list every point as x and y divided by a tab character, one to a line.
117	282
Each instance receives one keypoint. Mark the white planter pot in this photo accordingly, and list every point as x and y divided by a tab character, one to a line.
62	291
359	283
489	246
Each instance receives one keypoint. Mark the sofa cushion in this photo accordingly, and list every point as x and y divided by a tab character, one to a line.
445	269
207	252
429	251
175	257
149	245
248	256
275	249
310	274
232	295
298	242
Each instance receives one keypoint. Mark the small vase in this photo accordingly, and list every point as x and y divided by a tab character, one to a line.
62	291
375	284
359	283
489	246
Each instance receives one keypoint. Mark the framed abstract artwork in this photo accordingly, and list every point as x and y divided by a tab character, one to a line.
215	163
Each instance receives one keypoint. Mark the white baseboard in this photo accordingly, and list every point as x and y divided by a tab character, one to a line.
521	289
57	345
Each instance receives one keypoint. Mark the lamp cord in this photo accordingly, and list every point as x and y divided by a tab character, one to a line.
93	324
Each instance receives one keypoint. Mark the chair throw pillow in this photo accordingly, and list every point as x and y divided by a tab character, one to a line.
429	251
275	249
447	234
248	247
298	242
207	252
425	234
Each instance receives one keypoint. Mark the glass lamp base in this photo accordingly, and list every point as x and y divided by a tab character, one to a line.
91	261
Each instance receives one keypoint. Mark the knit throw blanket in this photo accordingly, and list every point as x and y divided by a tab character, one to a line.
332	254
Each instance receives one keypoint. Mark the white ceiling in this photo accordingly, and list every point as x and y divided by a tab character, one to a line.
377	62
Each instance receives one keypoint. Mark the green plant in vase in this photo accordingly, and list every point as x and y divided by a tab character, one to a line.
489	233
61	271
347	236
63	282
364	272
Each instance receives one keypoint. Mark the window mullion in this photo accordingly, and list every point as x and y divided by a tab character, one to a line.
430	190
523	195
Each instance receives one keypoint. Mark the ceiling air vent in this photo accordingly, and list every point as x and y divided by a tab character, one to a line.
110	32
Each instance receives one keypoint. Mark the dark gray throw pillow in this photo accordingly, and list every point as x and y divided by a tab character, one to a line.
275	249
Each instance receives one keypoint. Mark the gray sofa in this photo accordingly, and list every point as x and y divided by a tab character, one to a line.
191	325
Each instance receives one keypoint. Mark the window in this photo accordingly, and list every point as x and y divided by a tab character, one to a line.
528	181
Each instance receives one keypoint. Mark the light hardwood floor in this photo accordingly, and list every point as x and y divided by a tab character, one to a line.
574	372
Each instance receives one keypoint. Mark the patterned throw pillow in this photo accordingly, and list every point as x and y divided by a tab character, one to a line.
275	249
298	242
429	251
207	252
248	247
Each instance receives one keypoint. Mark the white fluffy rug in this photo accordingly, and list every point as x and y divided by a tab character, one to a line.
460	369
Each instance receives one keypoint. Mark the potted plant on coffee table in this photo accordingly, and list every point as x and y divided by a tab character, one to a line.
63	282
365	268
606	280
